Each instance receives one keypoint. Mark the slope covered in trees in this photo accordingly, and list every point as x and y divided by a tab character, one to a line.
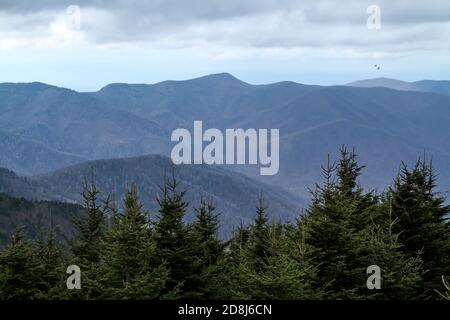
234	194
125	253
44	128
34	217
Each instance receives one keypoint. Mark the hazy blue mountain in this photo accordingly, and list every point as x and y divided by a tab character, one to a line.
29	156
236	195
121	120
434	86
73	124
219	100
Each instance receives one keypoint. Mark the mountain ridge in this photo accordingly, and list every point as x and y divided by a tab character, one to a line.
314	121
235	195
434	86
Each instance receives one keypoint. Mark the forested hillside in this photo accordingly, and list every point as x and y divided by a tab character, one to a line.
235	195
44	128
124	253
35	217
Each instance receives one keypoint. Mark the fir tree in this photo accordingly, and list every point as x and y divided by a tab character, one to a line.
174	240
91	227
50	263
209	249
205	231
339	209
283	276
258	238
129	269
20	271
422	221
401	275
87	247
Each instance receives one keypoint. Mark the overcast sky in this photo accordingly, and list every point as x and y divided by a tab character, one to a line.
94	43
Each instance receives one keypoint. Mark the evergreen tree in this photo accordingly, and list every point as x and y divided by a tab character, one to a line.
129	271
91	227
50	263
339	209
205	231
174	240
20	271
87	247
239	240
284	276
404	231
348	172
258	238
401	275
422	221
209	249
331	236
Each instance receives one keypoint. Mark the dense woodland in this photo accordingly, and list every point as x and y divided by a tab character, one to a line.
324	254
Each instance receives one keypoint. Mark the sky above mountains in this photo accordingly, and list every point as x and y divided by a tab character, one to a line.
324	42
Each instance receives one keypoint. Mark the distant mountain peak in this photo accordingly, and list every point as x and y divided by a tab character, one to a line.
223	78
378	82
434	86
30	85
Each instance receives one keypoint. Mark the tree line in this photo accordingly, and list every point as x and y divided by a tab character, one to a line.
124	254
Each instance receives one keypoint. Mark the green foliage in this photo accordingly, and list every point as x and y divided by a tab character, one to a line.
422	221
90	227
283	273
128	265
123	254
208	249
29	270
174	241
345	238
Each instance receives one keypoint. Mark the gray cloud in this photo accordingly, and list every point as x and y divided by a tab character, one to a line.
396	11
406	25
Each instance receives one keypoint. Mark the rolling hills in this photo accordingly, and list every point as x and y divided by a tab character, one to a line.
433	86
60	127
235	195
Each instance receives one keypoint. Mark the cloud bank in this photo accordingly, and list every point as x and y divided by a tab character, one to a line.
406	26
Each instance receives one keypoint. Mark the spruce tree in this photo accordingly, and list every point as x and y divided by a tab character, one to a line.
129	270
205	231
91	227
209	249
330	234
51	259
339	209
20	270
283	276
401	274
174	240
422	221
86	246
258	238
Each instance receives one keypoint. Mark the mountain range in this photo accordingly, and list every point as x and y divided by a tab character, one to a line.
234	194
51	134
435	86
